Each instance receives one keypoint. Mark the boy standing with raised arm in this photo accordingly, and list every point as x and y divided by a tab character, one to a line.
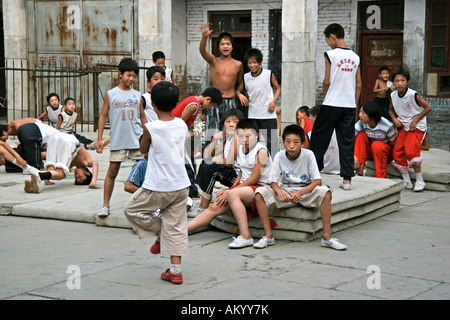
166	183
226	74
122	105
342	91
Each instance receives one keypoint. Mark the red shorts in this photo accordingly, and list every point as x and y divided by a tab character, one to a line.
251	209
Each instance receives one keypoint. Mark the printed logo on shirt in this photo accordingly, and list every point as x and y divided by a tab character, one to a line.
290	177
130	103
347	65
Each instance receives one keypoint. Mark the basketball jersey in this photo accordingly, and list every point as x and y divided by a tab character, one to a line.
53	114
165	169
68	121
344	66
150	113
407	109
246	163
260	94
181	107
126	127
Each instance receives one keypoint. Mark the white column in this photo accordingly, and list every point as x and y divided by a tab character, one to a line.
299	29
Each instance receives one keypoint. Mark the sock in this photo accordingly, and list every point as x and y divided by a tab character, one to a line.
45	175
406	178
419	177
175	268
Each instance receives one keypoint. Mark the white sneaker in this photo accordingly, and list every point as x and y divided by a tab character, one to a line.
264	242
408	185
104	212
419	186
345	186
193	213
333	243
29	170
240	242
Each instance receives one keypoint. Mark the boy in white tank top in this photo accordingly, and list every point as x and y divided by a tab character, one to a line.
53	109
166	184
122	105
408	113
342	90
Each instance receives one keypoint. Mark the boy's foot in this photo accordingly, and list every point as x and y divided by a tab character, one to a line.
419	186
104	212
27	187
240	242
174	278
345	186
408	185
333	243
156	247
264	242
36	183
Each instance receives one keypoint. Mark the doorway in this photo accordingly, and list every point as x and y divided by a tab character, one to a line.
378	50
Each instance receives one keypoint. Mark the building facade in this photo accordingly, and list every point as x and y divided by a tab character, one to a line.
82	34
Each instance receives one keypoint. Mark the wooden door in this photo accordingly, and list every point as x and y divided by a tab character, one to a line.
377	50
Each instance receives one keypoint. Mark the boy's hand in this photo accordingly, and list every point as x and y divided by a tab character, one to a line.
205	30
243	99
222	198
412	125
296	196
284	196
271	107
94	186
99	147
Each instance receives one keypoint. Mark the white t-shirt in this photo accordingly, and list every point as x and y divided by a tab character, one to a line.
46	131
246	163
344	66
407	109
260	94
293	175
165	170
150	113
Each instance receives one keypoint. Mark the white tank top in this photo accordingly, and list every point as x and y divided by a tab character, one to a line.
124	119
246	163
260	94
68	122
53	114
165	169
407	109
150	113
344	66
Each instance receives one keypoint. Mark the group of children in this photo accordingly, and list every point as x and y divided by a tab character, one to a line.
258	176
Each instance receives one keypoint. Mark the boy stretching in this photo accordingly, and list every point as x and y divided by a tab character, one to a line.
122	105
166	184
254	162
295	179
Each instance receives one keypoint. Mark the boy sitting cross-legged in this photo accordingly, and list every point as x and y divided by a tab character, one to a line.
295	179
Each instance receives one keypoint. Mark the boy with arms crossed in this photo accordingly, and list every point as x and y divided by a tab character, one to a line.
166	183
122	105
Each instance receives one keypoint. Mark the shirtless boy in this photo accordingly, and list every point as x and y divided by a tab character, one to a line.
226	74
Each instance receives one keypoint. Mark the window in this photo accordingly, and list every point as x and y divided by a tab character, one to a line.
438	34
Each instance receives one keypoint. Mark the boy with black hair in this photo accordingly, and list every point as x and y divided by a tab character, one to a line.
159	59
295	179
166	183
154	75
342	91
121	104
253	162
260	84
52	110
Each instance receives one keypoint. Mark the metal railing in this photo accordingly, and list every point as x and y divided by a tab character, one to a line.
27	90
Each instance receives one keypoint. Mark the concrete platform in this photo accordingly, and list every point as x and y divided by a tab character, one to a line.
435	170
370	198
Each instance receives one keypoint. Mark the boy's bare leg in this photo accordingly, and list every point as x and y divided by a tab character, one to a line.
325	211
204	203
111	175
207	216
237	200
263	212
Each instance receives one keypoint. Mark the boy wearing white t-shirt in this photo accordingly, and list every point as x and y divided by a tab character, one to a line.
166	183
295	179
342	91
